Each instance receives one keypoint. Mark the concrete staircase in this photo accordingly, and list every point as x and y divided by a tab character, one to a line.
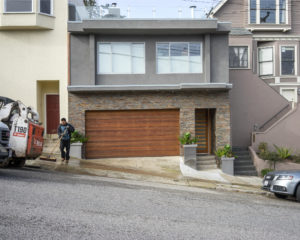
243	164
49	144
206	162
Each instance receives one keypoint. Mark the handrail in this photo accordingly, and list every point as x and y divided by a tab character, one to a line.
275	116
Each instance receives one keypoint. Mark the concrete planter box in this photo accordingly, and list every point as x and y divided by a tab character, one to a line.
228	165
76	150
190	155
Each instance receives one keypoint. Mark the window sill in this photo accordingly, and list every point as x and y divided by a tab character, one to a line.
45	14
18	13
239	68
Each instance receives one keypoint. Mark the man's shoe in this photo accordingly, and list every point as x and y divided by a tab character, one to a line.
62	160
67	161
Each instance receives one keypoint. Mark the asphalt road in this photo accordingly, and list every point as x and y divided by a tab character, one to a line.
37	204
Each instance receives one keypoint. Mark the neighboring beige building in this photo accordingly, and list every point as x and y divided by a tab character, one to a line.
34	56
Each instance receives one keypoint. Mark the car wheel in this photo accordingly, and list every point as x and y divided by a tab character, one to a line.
281	196
298	193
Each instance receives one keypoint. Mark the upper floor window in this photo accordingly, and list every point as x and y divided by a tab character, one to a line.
265	60
184	57
121	58
46	6
287	60
268	11
238	57
18	6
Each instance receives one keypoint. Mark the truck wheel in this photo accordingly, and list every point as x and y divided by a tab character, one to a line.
18	163
5	163
298	193
281	196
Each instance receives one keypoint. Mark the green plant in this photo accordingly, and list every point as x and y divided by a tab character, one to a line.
282	152
263	147
78	137
187	139
226	151
265	171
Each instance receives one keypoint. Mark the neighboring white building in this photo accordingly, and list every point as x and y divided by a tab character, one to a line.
34	56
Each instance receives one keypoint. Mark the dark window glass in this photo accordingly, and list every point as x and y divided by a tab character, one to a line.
195	49
267	11
287	61
18	5
45	6
163	49
238	57
282	11
179	49
252	11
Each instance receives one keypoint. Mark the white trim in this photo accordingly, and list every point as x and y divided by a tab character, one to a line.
290	88
258	12
218	7
108	42
277	13
52	8
243	45
201	55
295	60
45	109
4	8
273	58
285	84
277	80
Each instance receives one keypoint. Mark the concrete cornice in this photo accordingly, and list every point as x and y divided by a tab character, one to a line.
161	87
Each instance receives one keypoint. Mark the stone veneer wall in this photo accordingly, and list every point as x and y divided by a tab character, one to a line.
187	102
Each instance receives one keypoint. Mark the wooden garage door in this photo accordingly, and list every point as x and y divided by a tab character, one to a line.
132	133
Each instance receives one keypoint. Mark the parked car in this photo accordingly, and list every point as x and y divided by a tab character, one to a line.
283	183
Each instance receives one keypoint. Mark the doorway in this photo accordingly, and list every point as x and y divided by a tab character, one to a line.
52	113
205	130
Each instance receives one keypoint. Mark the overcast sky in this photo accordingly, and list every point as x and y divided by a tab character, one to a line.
163	8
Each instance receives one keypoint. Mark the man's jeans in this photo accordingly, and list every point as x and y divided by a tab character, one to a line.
65	144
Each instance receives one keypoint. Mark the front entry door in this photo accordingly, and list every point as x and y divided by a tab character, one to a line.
203	131
52	113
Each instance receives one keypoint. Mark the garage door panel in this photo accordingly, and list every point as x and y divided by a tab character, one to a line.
132	133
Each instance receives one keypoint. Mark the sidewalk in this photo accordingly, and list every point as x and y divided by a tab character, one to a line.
168	170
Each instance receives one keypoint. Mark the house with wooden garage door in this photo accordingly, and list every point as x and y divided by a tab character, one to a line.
138	84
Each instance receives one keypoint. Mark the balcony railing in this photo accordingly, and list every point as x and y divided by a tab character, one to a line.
108	12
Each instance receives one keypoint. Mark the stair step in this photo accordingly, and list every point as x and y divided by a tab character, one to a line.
245	168
207	167
241	153
243	163
237	149
206	162
243	157
245	173
206	157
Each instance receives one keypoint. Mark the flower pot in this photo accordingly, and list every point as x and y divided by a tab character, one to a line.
76	150
228	165
190	155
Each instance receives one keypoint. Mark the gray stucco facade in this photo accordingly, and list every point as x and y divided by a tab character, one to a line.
90	91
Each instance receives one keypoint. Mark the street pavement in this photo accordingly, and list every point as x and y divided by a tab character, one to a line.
41	204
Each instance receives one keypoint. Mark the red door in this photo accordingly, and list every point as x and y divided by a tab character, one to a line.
52	113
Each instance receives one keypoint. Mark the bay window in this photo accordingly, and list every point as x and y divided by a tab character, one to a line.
265	59
267	11
184	57
121	58
287	60
18	6
46	6
238	57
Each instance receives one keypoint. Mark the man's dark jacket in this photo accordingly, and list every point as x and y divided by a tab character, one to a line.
69	131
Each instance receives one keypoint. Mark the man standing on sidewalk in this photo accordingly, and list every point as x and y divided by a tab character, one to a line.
64	132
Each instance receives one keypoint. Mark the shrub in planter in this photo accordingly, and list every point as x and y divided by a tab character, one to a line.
265	171
78	141
226	159
189	149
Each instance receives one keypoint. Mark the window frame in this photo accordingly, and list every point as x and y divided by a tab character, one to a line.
14	12
277	14
188	42
109	42
52	8
273	61
295	60
248	59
